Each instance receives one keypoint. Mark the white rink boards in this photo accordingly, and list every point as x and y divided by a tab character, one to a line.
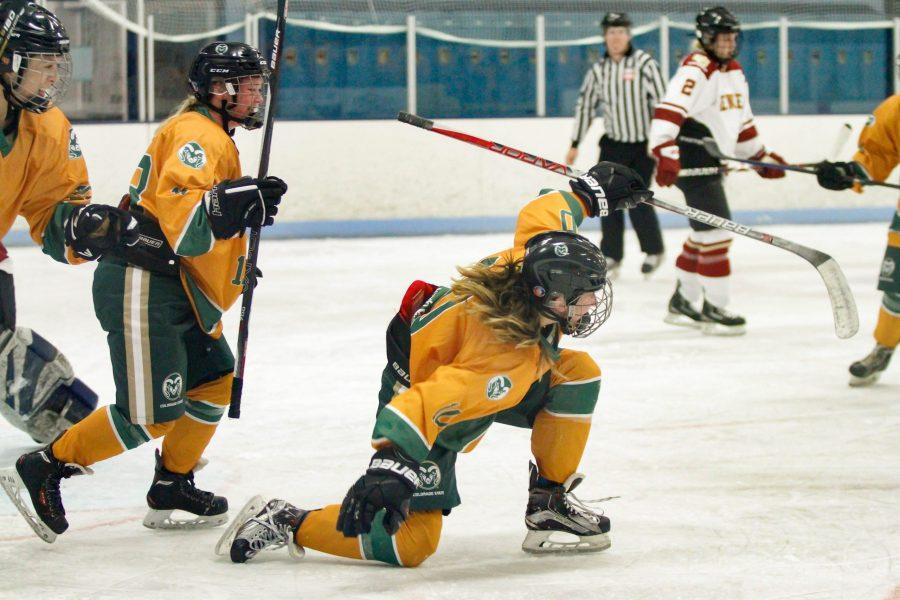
746	467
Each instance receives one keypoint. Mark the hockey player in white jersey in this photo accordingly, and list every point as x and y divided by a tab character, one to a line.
707	97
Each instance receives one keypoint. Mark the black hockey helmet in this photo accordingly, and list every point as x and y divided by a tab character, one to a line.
221	68
614	19
35	66
713	21
559	268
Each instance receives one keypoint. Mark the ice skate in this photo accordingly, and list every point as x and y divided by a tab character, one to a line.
39	473
681	312
651	263
718	321
867	371
175	491
612	268
558	522
262	526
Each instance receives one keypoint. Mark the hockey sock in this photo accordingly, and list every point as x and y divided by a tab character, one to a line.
560	431
558	443
103	434
203	408
713	265
887	331
416	540
686	264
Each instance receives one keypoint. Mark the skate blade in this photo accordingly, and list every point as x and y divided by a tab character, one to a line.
722	330
253	506
162	519
681	320
13	486
540	542
863	381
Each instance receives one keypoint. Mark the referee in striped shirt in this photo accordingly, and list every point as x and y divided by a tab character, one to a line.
628	84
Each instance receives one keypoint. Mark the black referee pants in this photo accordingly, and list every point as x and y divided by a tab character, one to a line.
643	217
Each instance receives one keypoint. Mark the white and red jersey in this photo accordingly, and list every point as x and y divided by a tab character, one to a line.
716	97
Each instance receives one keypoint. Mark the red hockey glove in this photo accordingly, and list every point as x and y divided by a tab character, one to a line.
769	172
668	163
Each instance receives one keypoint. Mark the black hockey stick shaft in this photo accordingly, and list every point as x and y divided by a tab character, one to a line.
713	150
16	8
843	305
237	386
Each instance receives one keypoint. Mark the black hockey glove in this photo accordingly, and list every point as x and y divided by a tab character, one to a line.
388	484
609	186
839	175
234	205
94	229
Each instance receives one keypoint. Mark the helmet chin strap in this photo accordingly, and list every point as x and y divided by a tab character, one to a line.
222	111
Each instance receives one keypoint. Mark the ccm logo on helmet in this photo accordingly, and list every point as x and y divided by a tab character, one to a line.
219	70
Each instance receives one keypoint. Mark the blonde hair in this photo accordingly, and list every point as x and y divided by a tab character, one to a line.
187	105
502	303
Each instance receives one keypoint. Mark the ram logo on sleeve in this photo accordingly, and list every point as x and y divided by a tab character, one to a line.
498	387
192	155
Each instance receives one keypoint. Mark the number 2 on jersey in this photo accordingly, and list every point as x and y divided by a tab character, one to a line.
143	176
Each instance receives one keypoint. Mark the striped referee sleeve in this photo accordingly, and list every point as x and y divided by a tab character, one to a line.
654	86
586	106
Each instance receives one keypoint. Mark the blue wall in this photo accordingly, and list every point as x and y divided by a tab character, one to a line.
329	75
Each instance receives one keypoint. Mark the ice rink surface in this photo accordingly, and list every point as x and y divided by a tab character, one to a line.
743	467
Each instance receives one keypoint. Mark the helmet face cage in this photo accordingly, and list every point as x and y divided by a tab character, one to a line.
36	69
236	73
245	98
584	313
566	275
37	81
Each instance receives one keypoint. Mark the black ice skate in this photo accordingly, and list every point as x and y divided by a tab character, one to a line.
262	526
39	473
175	491
651	263
682	312
868	370
718	321
558	522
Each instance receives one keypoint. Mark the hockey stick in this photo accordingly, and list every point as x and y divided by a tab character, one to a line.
839	142
706	171
712	149
16	10
843	305
237	386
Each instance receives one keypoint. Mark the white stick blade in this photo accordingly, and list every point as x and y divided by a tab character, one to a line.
253	506
843	305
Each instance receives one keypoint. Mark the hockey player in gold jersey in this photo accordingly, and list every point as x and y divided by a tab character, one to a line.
160	302
483	350
878	154
43	178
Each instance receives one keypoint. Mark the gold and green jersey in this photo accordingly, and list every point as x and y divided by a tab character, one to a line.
188	156
459	372
879	141
42	178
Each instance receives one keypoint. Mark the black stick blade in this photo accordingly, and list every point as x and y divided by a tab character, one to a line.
415	120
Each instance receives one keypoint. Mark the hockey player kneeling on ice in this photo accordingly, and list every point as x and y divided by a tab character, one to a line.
876	158
707	97
161	301
459	358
